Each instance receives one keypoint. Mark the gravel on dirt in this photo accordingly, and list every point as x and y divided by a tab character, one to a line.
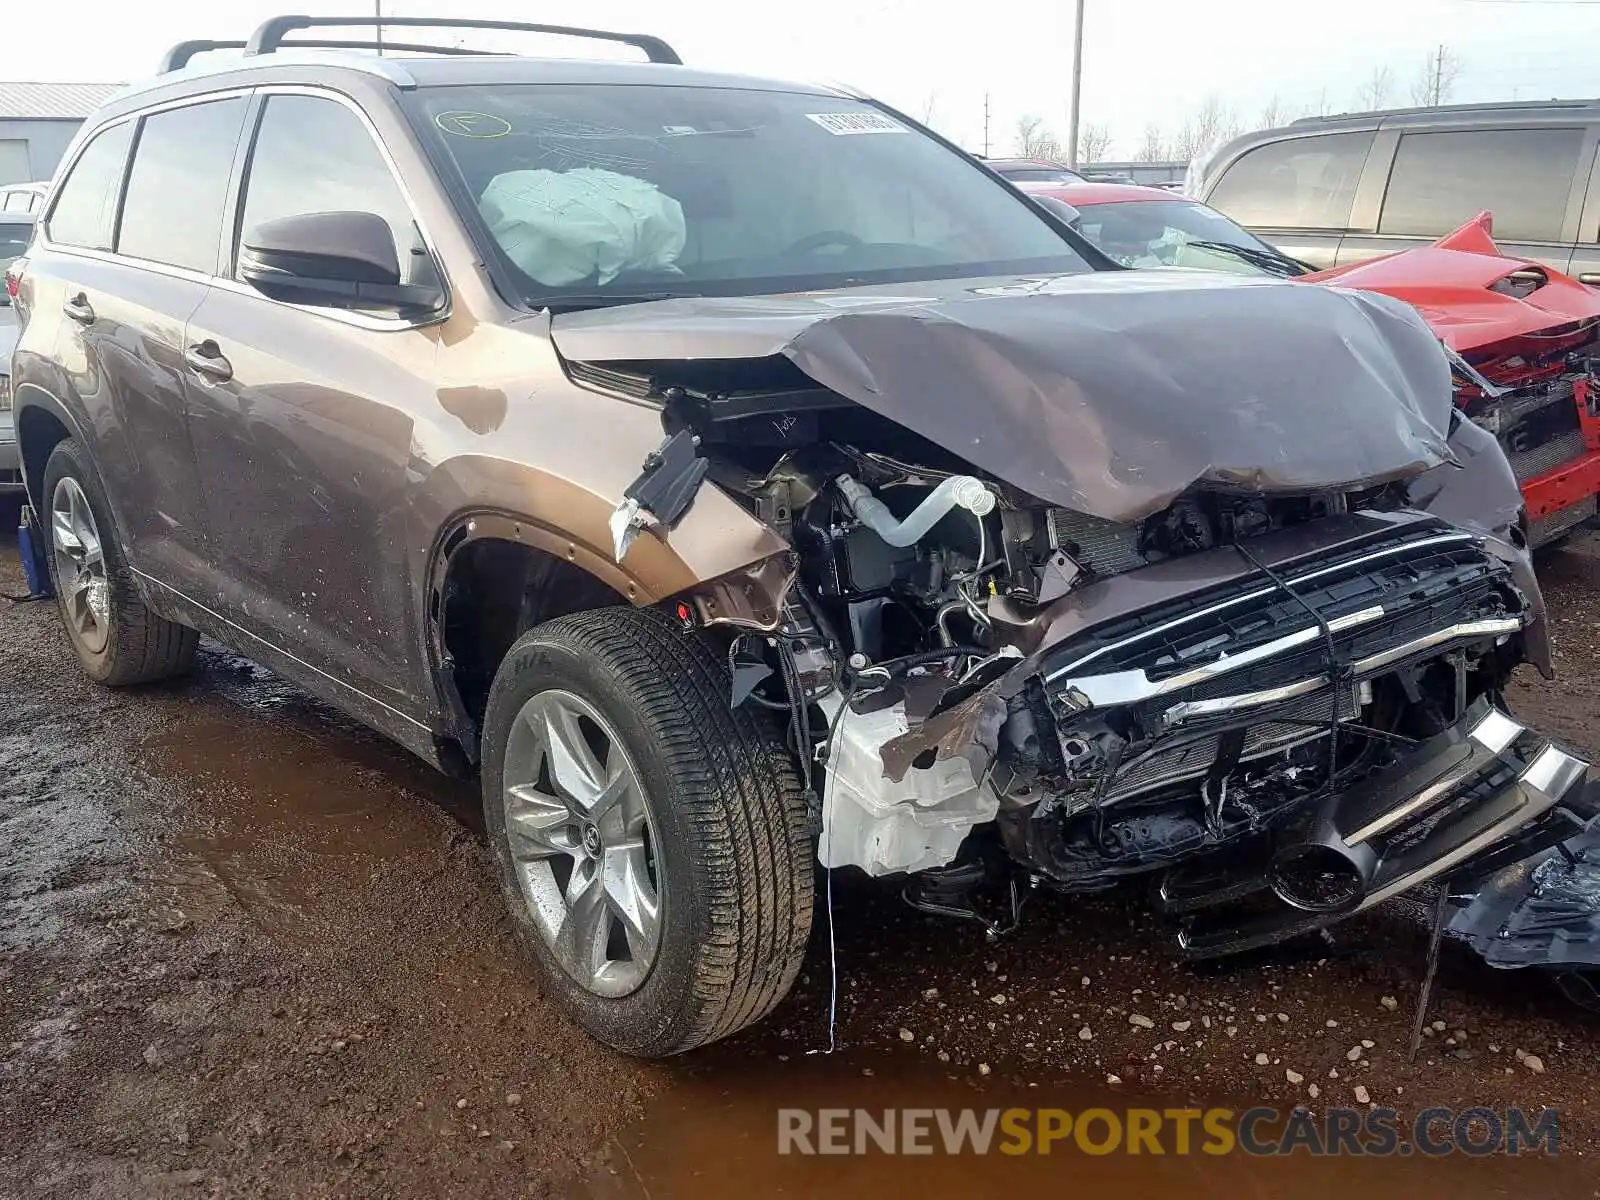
247	948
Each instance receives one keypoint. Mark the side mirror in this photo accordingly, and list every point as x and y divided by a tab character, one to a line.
1060	209
333	259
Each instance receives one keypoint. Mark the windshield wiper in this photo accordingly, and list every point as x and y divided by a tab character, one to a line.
1267	260
586	300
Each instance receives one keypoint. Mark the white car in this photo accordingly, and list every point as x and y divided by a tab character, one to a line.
14	235
22	199
10	459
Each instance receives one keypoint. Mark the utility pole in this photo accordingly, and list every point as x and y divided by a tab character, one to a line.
377	11
1077	86
986	124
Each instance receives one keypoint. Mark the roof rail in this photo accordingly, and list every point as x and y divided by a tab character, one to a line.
1480	106
179	56
269	36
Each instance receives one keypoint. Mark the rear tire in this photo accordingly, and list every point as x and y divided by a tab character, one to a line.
117	638
725	859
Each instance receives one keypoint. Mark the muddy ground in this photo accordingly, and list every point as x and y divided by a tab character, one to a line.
249	949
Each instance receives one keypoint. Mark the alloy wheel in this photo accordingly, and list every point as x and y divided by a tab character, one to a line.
579	830
80	566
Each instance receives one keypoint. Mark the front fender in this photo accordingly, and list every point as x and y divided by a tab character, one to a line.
569	519
1481	494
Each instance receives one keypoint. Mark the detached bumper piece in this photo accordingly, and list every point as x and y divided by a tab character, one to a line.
1541	912
1455	808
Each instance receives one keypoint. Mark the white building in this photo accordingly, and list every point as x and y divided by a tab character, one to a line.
37	121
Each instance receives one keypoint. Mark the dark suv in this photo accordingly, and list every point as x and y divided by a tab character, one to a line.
733	474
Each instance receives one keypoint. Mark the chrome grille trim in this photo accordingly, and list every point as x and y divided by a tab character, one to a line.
1392	551
1439	637
1131	687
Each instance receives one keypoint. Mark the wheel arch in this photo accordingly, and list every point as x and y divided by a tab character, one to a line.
42	423
548	554
491	577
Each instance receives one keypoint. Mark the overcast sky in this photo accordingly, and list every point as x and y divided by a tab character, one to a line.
1145	61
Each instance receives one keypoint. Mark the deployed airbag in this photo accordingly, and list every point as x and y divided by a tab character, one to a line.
563	227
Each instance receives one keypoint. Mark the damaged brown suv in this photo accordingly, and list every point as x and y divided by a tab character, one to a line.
734	475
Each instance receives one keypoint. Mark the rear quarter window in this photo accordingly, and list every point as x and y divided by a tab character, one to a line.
1298	183
1442	180
85	212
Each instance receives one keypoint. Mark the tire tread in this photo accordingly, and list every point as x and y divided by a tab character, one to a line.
739	793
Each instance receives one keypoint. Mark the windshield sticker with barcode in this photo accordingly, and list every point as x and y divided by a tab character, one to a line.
857	122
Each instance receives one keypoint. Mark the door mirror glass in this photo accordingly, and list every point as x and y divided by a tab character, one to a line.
331	259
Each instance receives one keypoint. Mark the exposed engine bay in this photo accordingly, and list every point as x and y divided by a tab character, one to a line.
1274	699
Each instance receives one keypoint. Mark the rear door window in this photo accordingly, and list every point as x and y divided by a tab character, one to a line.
173	210
85	213
1442	180
1298	183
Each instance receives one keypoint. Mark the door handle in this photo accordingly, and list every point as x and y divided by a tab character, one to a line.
206	358
1592	278
79	309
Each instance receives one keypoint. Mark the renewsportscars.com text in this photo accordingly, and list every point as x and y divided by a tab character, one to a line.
1177	1131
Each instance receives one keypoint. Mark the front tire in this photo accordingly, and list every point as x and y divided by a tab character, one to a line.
117	638
651	840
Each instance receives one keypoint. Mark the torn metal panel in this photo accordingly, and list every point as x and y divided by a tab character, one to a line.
886	826
749	598
970	730
1109	393
1477	489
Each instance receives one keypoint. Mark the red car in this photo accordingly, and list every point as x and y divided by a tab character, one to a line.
1525	339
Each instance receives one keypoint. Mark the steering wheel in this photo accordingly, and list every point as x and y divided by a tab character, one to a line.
813	242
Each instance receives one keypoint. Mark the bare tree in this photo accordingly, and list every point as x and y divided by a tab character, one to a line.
1093	141
1375	92
1274	113
930	108
1320	107
1212	123
1154	146
1437	80
1035	140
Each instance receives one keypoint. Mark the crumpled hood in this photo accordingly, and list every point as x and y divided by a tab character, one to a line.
1108	392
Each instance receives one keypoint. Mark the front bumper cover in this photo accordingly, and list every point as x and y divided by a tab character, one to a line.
1455	808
